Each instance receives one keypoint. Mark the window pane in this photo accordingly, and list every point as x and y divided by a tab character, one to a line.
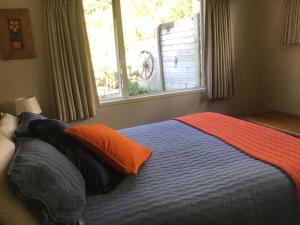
161	45
100	27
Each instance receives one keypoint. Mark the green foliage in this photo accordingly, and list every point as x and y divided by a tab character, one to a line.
133	85
96	6
135	89
151	13
133	74
140	18
163	10
101	81
182	9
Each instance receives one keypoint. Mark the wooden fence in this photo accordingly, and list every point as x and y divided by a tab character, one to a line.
176	53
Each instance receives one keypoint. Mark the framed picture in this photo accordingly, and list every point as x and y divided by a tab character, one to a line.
16	40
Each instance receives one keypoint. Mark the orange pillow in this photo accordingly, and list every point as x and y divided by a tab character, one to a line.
121	152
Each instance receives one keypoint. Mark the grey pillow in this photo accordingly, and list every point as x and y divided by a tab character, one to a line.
49	183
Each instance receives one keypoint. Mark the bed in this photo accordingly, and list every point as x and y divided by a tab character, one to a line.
195	178
191	178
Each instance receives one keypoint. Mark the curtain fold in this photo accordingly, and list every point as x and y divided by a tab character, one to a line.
291	22
218	52
71	65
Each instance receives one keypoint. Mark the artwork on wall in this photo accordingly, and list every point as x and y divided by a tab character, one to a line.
16	40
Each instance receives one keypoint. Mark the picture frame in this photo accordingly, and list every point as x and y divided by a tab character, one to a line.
16	39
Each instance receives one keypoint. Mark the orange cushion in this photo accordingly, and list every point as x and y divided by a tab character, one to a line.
119	151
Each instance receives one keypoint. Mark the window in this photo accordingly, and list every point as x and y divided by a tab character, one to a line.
144	47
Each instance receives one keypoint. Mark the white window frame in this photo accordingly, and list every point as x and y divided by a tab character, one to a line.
120	47
122	68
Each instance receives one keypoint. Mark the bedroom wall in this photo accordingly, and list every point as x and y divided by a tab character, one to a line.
280	65
246	101
26	77
30	77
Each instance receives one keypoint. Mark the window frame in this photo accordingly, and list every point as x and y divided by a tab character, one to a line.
151	97
122	65
120	48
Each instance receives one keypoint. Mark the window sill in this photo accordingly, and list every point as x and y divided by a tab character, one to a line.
142	98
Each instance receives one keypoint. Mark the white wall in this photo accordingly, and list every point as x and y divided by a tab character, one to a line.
27	77
280	65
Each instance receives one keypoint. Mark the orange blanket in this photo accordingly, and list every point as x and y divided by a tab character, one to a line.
262	143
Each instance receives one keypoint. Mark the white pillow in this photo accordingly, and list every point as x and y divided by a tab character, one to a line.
12	210
8	125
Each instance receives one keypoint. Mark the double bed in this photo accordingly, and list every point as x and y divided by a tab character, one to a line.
193	178
204	170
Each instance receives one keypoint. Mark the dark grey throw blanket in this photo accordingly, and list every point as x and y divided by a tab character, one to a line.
195	179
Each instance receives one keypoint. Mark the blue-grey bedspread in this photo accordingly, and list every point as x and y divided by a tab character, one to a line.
193	178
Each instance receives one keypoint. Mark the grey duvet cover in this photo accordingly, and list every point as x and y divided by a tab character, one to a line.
193	178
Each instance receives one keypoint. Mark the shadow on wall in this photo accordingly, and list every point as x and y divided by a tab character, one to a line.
8	107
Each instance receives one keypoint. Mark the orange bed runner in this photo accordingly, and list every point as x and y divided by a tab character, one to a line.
262	143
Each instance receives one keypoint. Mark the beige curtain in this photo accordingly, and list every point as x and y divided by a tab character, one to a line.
218	52
291	22
71	66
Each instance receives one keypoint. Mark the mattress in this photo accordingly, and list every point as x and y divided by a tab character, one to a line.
194	178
